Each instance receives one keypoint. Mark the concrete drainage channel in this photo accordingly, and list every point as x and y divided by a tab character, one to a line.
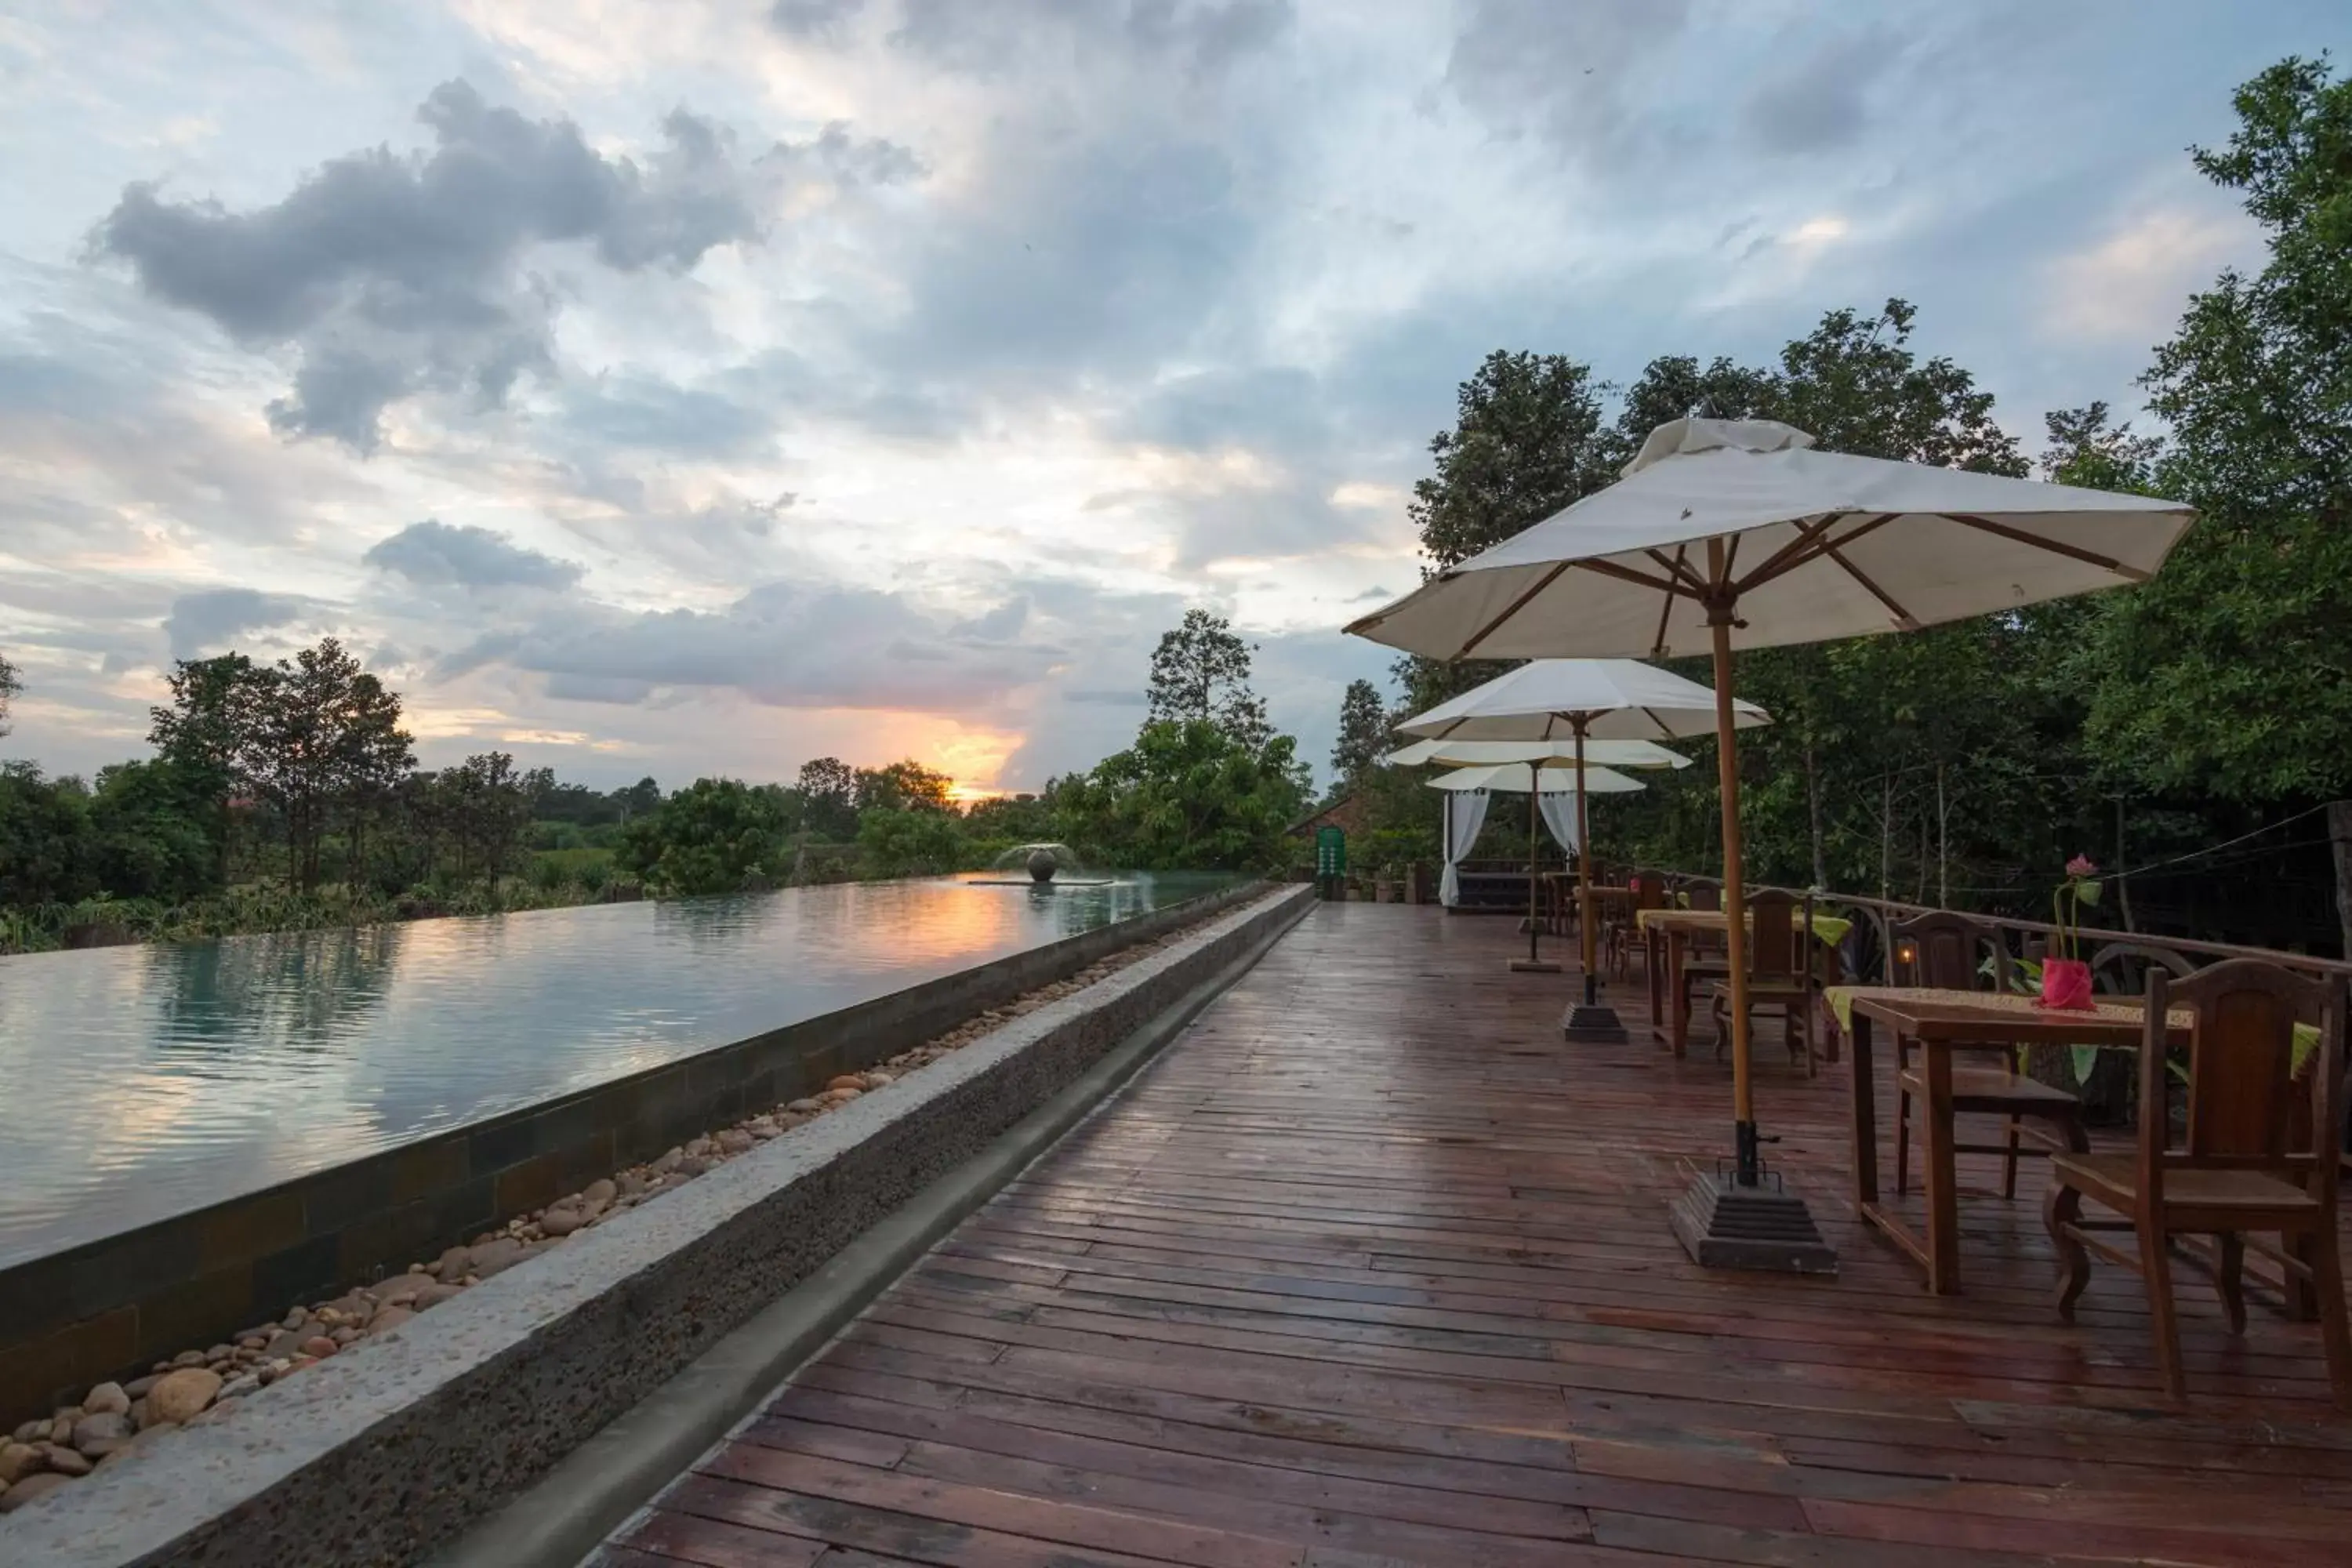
522	1423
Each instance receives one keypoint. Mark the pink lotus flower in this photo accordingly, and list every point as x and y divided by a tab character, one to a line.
2080	866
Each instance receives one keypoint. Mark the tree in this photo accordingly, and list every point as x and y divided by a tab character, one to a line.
1527	440
483	805
151	831
1188	795
323	729
11	688
209	733
1200	674
904	842
2230	672
829	788
372	754
1363	733
638	799
906	786
711	838
47	855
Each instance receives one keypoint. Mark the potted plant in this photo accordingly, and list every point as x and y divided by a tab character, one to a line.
1384	886
2065	977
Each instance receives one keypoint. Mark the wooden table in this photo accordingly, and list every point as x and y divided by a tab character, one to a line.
1938	1021
1666	934
1561	893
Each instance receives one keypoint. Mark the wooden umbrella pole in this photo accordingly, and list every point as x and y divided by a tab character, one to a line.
1534	809
1734	892
1584	874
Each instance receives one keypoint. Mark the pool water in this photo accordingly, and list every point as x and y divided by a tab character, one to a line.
139	1082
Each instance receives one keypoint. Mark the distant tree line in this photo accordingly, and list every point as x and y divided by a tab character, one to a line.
287	794
1206	785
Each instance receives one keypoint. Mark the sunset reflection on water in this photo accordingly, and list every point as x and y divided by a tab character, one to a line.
143	1081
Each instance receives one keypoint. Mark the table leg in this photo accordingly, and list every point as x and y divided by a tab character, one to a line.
1676	945
1865	1115
1653	956
1943	1172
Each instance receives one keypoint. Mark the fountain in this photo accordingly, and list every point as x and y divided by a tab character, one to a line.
1047	866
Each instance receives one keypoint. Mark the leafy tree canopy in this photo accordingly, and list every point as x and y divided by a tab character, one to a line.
1200	674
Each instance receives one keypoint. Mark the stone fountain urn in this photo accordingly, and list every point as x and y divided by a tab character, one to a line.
1042	865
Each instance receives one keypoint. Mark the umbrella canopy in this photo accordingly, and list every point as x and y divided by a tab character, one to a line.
1816	545
1507	779
1556	699
1736	533
1551	754
1577	700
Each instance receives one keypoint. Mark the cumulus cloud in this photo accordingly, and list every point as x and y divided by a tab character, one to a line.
788	645
1200	37
2132	282
825	21
1572	72
433	554
1821	103
205	621
390	274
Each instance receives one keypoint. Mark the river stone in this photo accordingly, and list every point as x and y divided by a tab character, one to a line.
434	1295
848	1081
66	1461
181	1394
561	1220
808	1107
61	1426
391	1318
107	1399
138	1387
493	1256
32	1489
691	1166
734	1141
402	1290
18	1460
319	1347
601	1191
106	1426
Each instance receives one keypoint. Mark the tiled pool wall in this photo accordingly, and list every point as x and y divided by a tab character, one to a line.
111	1308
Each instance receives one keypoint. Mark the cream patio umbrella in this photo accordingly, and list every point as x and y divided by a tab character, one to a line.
1554	754
1735	533
1584	702
1533	778
1548	754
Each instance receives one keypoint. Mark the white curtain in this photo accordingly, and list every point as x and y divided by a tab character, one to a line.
1559	815
1465	813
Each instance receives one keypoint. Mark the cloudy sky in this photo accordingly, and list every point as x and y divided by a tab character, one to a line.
706	385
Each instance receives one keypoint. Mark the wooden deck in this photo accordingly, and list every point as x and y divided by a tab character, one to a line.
1370	1269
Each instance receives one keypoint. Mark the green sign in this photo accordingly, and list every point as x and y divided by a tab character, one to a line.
1331	852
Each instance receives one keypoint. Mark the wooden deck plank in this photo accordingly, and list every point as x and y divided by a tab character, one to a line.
1370	1268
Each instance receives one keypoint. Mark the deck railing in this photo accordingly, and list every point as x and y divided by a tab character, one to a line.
2118	958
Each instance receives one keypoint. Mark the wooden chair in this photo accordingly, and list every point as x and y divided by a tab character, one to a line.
1942	949
1704	958
2237	1172
1780	974
1622	929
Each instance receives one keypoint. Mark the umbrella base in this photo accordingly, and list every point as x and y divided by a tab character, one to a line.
1588	1024
1725	1225
1534	966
